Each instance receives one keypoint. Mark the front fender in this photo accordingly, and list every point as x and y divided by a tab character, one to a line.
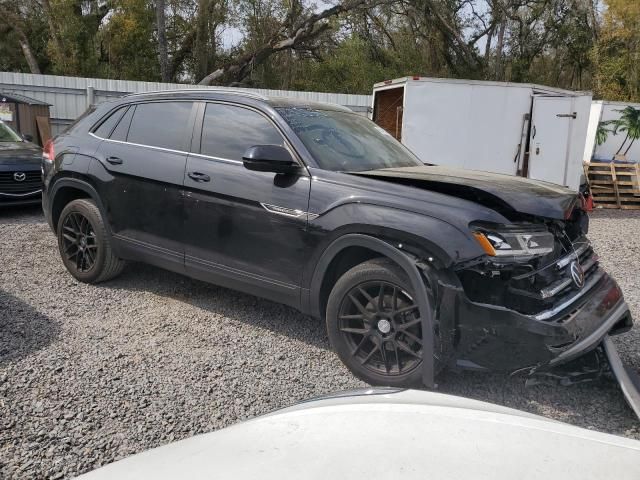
407	264
419	234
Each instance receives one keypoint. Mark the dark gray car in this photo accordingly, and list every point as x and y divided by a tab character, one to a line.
20	174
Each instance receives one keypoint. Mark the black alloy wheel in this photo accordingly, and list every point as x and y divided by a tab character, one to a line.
374	324
84	243
79	242
380	323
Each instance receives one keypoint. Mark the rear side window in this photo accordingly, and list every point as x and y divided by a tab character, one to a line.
106	127
160	124
120	132
228	131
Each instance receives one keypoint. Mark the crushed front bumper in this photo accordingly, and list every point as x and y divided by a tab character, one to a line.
491	337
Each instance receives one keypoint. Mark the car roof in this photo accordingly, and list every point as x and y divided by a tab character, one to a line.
237	95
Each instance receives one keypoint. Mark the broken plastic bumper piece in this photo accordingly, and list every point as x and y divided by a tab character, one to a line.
627	377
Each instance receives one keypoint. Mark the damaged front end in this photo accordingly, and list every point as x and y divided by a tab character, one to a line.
538	298
528	294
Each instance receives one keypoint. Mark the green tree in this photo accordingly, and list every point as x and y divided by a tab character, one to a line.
127	45
73	46
617	53
23	36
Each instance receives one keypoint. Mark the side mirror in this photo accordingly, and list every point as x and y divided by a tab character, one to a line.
269	158
28	138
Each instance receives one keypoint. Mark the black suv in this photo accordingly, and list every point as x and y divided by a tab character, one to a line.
414	267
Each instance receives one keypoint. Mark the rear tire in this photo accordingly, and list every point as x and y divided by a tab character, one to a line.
85	245
374	324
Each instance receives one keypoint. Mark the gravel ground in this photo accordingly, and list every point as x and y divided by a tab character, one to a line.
89	375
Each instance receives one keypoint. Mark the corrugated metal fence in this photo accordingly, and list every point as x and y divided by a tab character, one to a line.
70	96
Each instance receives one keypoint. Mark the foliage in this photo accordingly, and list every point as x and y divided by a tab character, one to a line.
73	48
127	45
292	44
617	54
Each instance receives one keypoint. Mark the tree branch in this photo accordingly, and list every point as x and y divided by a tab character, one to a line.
306	30
12	21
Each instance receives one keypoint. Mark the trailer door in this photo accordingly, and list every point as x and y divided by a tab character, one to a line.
550	135
388	108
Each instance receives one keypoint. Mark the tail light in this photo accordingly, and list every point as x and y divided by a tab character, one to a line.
586	202
48	153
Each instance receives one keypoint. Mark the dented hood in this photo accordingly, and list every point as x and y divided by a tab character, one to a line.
503	193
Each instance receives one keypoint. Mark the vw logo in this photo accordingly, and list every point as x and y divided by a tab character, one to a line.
19	176
577	274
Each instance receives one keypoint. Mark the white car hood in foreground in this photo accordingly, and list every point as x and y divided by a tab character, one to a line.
408	435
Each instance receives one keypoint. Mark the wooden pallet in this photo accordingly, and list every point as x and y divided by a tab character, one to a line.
614	185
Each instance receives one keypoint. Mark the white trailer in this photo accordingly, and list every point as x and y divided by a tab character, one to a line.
516	129
613	146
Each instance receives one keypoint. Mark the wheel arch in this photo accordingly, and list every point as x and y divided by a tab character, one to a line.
68	189
364	246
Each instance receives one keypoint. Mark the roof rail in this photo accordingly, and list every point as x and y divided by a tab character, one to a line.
229	91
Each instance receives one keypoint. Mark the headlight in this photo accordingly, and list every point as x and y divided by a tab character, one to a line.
510	241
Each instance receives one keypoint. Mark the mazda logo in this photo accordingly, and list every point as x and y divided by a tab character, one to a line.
19	176
577	274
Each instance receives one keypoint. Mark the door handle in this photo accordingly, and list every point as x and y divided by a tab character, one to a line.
199	177
114	160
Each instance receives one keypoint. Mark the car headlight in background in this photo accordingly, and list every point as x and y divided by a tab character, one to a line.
514	242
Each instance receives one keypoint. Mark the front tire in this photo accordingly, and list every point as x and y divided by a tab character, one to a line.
374	324
84	244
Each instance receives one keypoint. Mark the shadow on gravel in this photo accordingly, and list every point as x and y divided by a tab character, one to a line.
583	404
21	214
23	330
234	305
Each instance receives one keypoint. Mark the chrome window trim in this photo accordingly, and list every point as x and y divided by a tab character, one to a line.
228	91
208	157
219	159
287	144
139	144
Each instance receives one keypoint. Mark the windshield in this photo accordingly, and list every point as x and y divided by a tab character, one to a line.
8	135
346	142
